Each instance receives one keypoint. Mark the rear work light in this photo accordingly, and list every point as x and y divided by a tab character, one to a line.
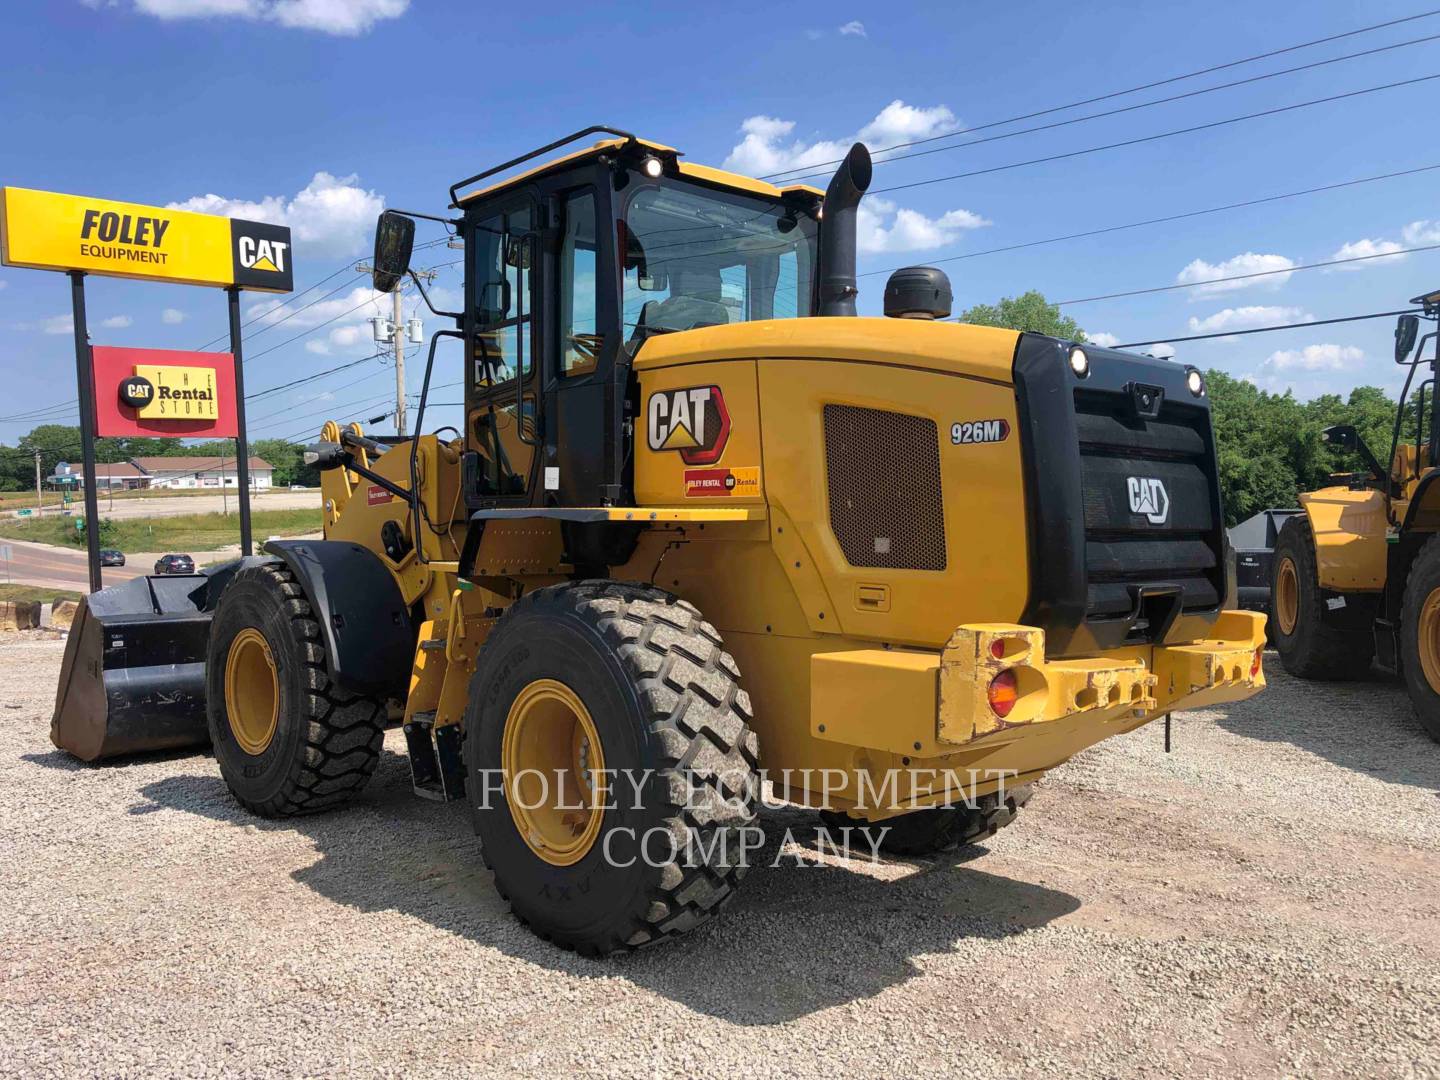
1003	692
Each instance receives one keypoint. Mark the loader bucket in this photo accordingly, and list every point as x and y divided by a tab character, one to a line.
133	679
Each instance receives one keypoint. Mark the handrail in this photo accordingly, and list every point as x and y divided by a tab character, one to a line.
592	130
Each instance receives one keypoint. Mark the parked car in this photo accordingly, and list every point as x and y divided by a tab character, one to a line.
175	564
111	557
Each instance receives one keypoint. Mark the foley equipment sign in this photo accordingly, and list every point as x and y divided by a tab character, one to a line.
49	231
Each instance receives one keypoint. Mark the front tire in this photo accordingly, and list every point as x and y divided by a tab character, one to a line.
654	841
1308	647
1420	637
287	740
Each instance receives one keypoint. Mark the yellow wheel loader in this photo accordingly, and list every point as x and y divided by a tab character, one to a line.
1355	578
703	526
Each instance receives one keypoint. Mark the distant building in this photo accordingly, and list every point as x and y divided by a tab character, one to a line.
165	472
117	476
202	472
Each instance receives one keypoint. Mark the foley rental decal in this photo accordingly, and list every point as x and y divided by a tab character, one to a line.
46	230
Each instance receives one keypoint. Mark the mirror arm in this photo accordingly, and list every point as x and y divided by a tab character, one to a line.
456	315
415	534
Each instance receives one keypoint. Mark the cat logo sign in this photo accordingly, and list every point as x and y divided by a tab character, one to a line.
46	230
692	420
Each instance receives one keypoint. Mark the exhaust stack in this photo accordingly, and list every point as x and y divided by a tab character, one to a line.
837	233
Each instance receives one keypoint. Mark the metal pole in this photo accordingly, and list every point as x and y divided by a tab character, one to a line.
242	444
399	322
85	377
39	498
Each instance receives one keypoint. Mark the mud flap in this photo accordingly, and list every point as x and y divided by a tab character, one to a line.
133	678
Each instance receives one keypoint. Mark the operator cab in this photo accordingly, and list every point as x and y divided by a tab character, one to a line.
571	267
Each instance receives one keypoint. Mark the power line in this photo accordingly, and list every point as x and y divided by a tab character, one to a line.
1167	218
1144	104
1246	277
1123	93
312	378
1269	329
1160	135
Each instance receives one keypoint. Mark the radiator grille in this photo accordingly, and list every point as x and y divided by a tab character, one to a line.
883	469
1123	549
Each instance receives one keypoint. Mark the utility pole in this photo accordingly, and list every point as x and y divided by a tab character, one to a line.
392	332
39	499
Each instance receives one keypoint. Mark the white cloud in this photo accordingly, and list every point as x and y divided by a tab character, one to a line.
346	18
1245	318
59	324
117	322
331	217
1161	350
1315	358
853	28
319	348
1375	252
1199	271
882	226
172	316
1101	338
764	148
1419	233
4	284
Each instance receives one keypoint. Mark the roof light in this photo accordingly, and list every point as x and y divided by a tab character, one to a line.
652	168
1195	382
1079	362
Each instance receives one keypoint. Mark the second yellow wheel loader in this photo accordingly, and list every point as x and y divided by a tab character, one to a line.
703	525
1356	576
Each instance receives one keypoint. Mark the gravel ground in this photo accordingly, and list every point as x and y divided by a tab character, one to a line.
1261	901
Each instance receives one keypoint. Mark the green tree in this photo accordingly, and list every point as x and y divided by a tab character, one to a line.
1030	312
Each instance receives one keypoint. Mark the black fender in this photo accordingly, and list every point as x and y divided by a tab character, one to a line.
366	628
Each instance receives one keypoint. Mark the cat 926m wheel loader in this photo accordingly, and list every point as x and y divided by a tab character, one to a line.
1355	579
703	520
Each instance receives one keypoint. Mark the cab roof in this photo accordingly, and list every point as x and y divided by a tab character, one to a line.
691	170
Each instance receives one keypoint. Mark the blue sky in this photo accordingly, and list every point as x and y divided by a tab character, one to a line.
319	112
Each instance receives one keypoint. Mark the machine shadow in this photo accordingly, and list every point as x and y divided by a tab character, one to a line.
392	851
1365	725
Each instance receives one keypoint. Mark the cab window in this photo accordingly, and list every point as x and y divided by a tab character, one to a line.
579	287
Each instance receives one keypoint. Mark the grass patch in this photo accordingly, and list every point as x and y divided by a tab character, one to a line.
42	593
183	533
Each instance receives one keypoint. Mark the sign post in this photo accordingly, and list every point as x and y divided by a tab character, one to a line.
242	441
85	374
46	230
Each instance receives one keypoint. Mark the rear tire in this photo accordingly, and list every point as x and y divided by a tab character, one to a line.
1420	637
1308	647
287	740
642	674
939	829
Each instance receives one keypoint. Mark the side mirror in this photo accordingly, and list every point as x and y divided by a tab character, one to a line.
394	241
1406	329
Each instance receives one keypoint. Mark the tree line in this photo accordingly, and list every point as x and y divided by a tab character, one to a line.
58	443
1268	444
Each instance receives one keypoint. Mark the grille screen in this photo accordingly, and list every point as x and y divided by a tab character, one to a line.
883	469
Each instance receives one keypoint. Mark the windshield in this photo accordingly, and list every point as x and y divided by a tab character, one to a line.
696	257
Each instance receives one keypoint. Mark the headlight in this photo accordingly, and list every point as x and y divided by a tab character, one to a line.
1196	382
1079	362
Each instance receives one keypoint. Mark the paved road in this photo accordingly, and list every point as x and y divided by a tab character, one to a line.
171	506
64	568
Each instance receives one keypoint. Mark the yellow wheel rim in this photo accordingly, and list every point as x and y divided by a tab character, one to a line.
1429	639
553	766
252	691
1287	596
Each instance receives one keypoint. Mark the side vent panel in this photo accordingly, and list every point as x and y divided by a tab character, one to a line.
883	472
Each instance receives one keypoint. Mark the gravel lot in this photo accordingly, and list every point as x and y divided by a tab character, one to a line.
1262	901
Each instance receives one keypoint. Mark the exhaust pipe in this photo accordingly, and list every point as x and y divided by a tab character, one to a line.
837	233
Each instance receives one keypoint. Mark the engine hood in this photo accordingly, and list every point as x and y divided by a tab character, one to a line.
984	352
